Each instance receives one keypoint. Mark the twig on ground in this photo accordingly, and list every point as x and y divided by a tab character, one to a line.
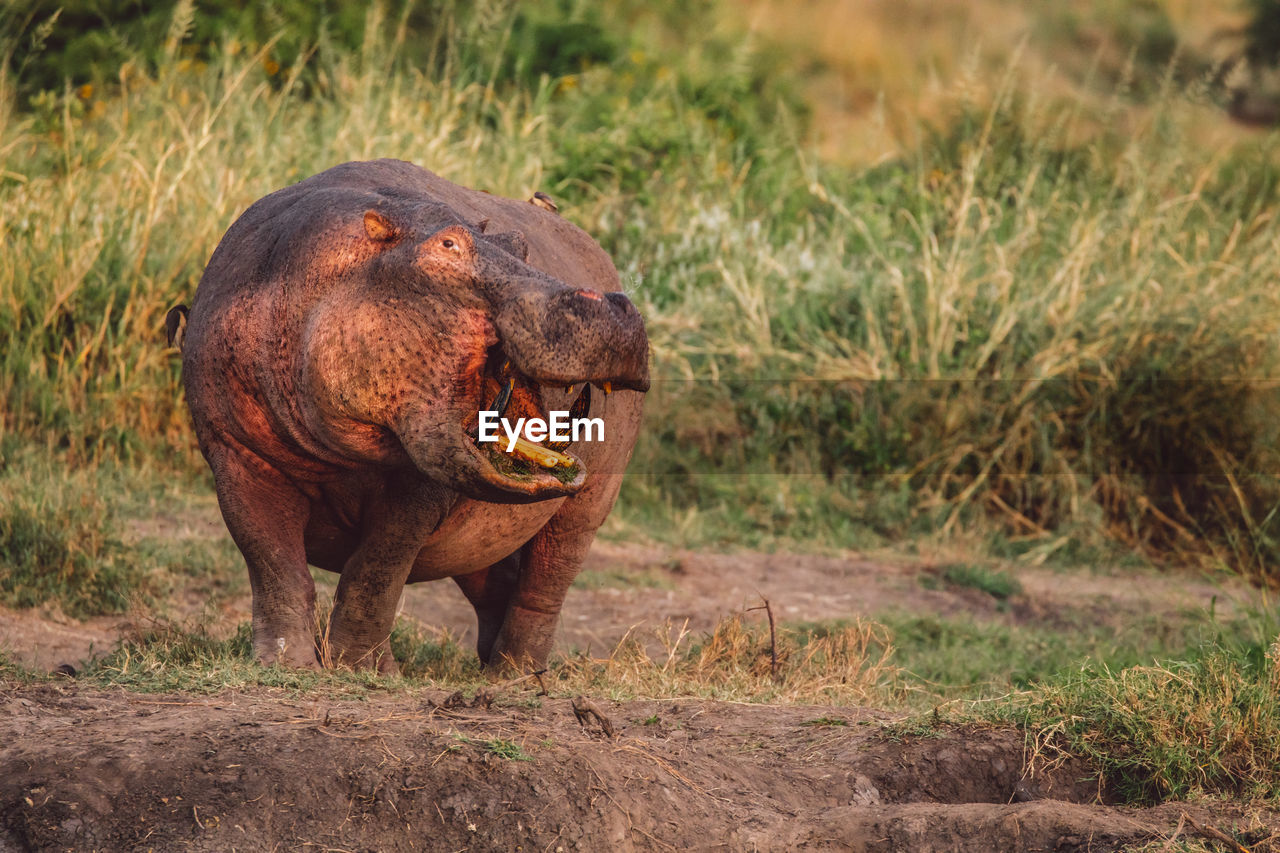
773	637
1182	821
1217	835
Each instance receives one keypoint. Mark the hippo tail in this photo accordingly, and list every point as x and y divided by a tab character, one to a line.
175	325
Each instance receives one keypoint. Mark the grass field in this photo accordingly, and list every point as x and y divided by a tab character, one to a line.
1017	297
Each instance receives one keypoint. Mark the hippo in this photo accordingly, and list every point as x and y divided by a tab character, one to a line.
342	343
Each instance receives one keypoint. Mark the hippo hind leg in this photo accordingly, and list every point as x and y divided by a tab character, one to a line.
489	591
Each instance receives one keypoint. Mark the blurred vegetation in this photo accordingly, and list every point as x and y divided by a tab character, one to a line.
52	44
1262	34
59	542
1045	319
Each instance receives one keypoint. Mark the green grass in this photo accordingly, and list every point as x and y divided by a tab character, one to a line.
825	722
508	750
175	658
60	544
188	657
12	671
964	657
434	656
108	538
621	577
843	664
1209	726
997	583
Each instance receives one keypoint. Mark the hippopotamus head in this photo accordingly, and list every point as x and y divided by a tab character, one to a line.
399	315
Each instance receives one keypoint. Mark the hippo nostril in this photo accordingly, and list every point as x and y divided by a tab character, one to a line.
620	300
590	294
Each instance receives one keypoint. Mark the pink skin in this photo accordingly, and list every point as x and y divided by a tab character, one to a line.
343	339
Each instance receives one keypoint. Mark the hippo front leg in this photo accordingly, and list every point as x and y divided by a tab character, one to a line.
396	523
267	515
549	563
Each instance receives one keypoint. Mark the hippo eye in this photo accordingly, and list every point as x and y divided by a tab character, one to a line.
448	244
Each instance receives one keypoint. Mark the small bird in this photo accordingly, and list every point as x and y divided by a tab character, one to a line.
584	709
542	200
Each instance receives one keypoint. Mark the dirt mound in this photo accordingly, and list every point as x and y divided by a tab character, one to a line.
87	769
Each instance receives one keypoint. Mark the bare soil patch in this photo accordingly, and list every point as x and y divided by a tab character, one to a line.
634	589
703	587
87	769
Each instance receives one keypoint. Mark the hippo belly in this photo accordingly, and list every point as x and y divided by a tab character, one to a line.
476	535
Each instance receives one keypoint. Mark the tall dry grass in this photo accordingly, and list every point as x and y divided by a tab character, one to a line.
1052	318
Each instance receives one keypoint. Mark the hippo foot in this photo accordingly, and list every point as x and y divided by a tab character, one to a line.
523	644
360	657
279	651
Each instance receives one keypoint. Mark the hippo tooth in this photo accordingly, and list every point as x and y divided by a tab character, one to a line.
580	408
608	387
582	405
501	401
539	455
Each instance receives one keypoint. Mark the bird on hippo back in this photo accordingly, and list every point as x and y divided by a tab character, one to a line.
344	338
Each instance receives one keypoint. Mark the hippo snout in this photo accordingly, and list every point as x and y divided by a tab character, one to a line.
569	335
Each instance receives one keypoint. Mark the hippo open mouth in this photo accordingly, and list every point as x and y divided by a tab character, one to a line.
544	337
529	465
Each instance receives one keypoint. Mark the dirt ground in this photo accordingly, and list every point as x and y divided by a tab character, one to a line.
114	771
85	769
636	589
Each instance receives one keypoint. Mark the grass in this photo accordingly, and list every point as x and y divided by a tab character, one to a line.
848	665
1033	319
732	662
1158	728
997	583
13	671
622	577
507	750
826	722
59	542
175	658
945	658
108	539
1176	730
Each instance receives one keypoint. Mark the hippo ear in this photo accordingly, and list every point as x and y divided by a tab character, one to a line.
378	227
